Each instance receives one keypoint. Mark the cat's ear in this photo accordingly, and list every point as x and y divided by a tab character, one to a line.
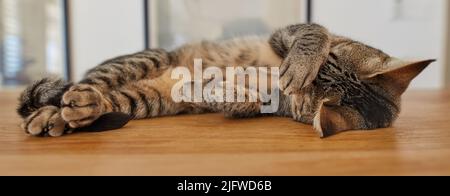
331	119
397	75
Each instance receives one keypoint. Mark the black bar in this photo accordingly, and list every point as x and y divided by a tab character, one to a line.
67	38
146	24
228	185
309	12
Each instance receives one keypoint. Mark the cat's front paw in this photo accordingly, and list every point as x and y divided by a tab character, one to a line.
46	121
82	105
301	108
296	75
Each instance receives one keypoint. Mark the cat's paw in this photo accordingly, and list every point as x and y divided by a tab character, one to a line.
301	108
46	121
245	105
295	75
82	105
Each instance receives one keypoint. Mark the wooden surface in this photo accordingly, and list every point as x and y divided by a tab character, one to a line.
419	144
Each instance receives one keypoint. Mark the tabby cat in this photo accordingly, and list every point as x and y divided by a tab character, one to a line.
331	82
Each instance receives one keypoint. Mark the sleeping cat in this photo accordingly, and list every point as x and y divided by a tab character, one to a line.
334	83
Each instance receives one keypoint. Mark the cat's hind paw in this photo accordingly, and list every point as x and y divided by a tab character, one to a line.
46	121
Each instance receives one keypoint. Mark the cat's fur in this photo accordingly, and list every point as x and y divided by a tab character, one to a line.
329	81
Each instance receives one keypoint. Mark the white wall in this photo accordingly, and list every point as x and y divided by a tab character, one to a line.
101	29
412	29
177	22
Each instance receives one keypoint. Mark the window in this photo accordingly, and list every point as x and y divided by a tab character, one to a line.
176	22
31	40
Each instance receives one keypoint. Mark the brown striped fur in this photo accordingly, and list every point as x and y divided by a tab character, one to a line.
335	83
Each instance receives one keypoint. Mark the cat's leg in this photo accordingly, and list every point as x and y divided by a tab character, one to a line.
116	86
255	109
96	94
304	48
120	71
84	102
232	109
241	106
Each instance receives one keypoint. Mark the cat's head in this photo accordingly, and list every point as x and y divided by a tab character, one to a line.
366	101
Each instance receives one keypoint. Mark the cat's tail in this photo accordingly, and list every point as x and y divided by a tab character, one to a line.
44	92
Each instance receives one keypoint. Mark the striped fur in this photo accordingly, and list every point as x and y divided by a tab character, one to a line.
334	82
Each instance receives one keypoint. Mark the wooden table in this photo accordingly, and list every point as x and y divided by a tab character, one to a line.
418	144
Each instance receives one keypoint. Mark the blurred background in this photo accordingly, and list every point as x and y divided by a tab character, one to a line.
67	37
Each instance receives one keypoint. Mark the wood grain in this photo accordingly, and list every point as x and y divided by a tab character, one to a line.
418	144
